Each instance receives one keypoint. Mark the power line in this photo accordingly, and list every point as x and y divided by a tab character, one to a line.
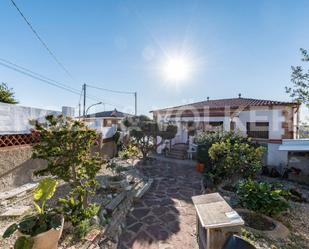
109	90
41	40
48	81
37	78
118	92
37	74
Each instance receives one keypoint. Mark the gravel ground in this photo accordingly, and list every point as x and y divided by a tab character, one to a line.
62	191
296	220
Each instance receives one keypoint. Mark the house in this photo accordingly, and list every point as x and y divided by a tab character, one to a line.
106	118
266	121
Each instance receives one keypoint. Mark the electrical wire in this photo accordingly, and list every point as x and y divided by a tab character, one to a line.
38	78
37	74
109	90
51	53
44	79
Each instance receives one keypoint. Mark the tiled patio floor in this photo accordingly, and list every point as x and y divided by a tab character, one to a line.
164	218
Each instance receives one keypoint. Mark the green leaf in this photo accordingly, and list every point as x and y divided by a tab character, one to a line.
37	207
27	224
45	190
23	243
10	230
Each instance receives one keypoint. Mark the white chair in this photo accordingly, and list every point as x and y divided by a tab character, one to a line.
192	149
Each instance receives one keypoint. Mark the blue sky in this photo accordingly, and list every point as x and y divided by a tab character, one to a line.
233	46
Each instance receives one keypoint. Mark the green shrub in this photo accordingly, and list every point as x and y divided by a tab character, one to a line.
207	139
218	136
235	159
202	154
262	197
143	132
129	151
66	146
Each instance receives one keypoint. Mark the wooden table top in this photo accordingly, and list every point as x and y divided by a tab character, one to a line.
214	212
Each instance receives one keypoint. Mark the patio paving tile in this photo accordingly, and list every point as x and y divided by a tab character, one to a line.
165	216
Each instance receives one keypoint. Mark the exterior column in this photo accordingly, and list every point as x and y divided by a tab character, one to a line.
226	124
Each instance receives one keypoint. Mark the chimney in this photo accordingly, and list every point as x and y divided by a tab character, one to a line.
239	95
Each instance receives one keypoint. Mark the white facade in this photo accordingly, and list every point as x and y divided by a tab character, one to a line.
275	118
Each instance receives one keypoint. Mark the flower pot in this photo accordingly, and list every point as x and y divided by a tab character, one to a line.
200	167
48	239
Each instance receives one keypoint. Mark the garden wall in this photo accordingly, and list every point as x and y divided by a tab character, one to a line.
14	119
16	166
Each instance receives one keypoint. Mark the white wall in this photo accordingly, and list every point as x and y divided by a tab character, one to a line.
275	157
274	117
14	119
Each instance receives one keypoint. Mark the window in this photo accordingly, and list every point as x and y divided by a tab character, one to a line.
213	126
258	130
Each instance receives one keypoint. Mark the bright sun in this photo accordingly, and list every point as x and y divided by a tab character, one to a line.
177	69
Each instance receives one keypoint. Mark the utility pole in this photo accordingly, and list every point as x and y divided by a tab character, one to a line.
84	109
135	96
79	112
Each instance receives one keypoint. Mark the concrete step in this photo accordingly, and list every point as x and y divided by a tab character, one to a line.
178	151
176	157
173	154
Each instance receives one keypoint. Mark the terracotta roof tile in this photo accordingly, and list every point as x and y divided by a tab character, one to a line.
231	103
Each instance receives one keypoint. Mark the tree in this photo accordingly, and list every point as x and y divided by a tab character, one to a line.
303	130
168	133
66	146
300	79
143	133
7	94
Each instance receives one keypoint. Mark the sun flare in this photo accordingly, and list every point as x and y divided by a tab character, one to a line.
177	69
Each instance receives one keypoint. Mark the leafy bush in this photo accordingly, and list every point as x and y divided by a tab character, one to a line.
207	139
168	132
143	133
40	222
65	144
214	137
235	159
129	151
263	197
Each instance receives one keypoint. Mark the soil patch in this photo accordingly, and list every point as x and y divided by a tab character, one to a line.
257	221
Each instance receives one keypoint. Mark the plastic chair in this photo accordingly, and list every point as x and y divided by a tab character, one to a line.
236	242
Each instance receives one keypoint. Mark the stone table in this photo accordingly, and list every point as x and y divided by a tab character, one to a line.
216	220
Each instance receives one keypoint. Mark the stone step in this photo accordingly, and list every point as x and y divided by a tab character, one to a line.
144	189
17	191
176	155
178	149
176	152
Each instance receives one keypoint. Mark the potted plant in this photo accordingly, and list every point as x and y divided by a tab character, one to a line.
43	228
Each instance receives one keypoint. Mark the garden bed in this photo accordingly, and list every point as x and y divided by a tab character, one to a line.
257	221
296	220
106	228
